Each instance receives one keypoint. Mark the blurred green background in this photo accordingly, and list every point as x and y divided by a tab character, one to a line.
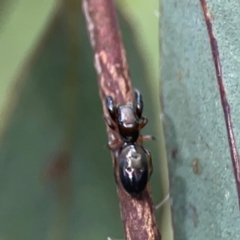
56	177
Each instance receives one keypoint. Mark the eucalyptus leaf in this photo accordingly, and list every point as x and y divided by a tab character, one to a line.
56	179
205	202
21	27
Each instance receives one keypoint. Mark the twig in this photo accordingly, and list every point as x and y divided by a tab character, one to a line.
113	78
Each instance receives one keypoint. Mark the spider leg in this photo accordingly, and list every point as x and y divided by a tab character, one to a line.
114	144
110	123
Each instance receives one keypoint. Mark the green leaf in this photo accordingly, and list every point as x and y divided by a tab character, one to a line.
22	24
203	185
56	178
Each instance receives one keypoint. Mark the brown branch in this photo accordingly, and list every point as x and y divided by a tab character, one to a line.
113	79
